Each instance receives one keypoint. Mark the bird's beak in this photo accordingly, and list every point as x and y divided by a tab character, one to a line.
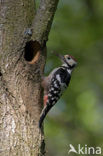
58	55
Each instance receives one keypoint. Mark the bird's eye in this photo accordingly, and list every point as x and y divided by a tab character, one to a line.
68	58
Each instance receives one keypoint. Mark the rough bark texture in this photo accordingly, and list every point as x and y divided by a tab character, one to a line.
20	80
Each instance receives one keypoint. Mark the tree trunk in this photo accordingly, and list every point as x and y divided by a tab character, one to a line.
22	60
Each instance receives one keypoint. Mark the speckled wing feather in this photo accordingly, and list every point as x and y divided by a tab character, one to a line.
57	87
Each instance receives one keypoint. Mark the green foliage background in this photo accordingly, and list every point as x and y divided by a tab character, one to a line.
78	116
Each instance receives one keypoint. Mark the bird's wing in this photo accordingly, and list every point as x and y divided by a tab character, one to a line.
58	84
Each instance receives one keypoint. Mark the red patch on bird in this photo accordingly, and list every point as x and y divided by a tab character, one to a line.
73	58
45	99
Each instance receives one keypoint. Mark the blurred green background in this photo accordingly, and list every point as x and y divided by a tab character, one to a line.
77	118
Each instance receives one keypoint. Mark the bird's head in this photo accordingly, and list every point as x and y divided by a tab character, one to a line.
69	60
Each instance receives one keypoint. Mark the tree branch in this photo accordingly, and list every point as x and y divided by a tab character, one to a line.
43	20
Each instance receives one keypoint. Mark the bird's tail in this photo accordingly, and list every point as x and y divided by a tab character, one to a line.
43	114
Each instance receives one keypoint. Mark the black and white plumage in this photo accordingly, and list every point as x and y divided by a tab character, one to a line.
55	84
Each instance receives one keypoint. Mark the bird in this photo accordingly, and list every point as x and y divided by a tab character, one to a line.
56	83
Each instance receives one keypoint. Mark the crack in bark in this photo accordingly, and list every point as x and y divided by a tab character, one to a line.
6	90
0	72
19	58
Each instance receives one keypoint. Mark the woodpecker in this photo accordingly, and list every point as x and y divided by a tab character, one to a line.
55	84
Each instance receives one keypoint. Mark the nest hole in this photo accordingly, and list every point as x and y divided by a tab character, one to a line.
32	51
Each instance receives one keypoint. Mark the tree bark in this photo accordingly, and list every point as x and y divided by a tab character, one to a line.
22	60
